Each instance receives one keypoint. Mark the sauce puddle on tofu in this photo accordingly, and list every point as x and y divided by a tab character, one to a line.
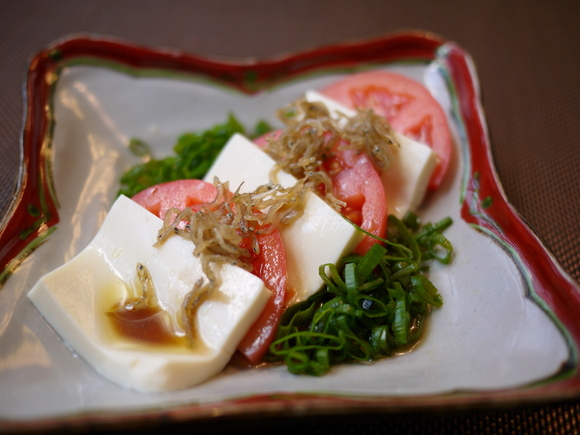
146	325
145	328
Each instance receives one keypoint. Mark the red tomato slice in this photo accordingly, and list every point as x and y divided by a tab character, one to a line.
269	265
356	182
407	105
179	194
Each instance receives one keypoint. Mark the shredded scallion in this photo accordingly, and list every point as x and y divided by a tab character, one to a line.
377	303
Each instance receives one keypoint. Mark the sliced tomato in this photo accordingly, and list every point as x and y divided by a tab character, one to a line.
269	265
407	105
357	183
179	194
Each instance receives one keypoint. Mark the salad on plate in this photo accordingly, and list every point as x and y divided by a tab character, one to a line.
274	336
300	246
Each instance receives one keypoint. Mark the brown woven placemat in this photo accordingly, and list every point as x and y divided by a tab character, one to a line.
527	54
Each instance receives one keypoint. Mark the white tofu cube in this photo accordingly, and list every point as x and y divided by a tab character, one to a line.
75	299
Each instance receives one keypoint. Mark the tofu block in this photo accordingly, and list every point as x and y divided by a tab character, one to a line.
75	298
405	182
319	236
242	163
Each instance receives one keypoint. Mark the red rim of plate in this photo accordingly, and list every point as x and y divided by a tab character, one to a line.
34	212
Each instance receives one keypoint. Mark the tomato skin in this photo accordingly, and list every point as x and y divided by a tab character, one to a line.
179	194
269	265
359	185
406	104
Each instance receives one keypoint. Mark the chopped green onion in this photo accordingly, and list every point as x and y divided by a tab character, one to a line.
378	303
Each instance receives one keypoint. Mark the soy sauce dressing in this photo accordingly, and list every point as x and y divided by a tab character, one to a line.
146	325
145	328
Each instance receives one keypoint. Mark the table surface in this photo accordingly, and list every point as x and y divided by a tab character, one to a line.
527	54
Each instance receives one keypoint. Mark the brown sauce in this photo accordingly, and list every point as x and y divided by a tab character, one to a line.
146	325
147	328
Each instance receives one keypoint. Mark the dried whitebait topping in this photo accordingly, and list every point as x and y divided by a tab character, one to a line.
372	134
148	297
219	227
146	300
304	144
